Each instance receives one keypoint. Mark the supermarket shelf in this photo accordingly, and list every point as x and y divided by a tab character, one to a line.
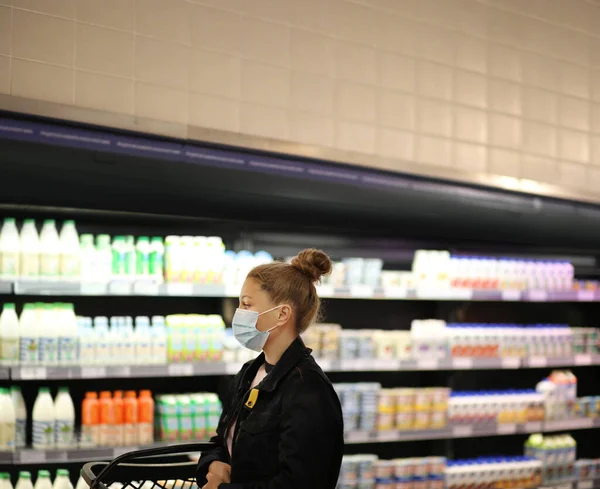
149	288
115	372
30	456
230	368
470	431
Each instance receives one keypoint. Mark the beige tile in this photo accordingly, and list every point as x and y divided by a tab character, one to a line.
538	36
214	112
41	81
353	136
355	63
593	179
266	42
313	93
162	63
355	102
505	62
104	50
540	105
572	174
7	3
4	74
504	96
434	117
579	17
396	110
434	80
355	23
310	14
595	150
103	92
595	119
396	34
574	113
540	139
116	14
470	125
216	30
470	88
470	157
265	85
5	30
264	121
471	17
574	47
435	44
396	72
59	8
42	38
595	85
471	53
272	10
161	103
215	74
539	169
168	21
312	129
504	162
438	12
574	146
504	26
504	131
540	71
395	144
434	151
574	80
312	53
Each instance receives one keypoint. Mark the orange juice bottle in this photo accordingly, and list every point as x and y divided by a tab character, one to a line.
130	418
118	431
90	420
145	418
107	419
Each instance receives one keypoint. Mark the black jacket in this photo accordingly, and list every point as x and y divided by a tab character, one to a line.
289	431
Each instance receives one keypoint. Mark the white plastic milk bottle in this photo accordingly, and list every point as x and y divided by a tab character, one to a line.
81	483
44	421
50	325
24	481
9	250
43	480
29	251
160	352
128	342
7	421
87	341
62	480
68	335
5	481
20	416
88	258
9	335
49	251
70	253
64	413
143	341
103	340
29	337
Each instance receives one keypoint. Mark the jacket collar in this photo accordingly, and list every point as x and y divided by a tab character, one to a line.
288	361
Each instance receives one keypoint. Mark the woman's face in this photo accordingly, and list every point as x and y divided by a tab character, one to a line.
253	298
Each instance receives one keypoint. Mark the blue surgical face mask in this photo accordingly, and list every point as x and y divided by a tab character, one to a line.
244	329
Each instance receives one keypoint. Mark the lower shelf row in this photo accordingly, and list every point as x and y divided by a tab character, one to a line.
30	456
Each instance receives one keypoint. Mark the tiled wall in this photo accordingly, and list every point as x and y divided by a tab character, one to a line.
509	87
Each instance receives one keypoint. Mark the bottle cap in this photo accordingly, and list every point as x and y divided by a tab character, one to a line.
29	221
157	239
145	393
44	390
130	394
49	222
9	305
43	473
69	222
63	390
91	395
62	472
4	475
144	239
105	395
9	220
118	394
15	388
24	474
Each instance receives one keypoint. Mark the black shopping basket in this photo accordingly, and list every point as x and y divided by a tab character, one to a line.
146	469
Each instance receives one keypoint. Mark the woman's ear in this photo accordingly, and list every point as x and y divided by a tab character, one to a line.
285	314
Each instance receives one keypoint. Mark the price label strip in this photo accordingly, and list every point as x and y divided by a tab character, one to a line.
462	431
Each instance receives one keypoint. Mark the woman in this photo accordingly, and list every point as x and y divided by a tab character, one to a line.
283	428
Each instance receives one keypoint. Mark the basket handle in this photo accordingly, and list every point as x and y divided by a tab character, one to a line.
148	452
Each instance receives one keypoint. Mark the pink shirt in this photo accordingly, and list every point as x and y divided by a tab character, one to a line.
260	375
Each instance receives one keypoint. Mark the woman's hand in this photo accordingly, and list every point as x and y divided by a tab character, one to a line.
213	481
218	472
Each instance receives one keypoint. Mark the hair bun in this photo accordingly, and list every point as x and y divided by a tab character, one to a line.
312	263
